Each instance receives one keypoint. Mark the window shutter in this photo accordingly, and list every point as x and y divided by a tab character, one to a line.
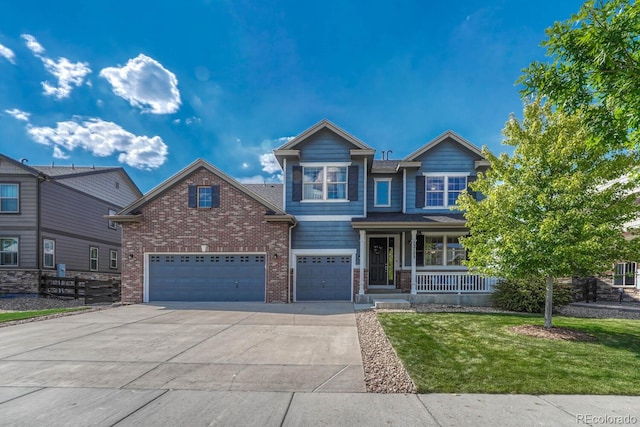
353	183
193	196
470	179
296	183
215	196
420	192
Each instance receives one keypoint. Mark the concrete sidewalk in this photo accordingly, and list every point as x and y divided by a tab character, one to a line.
24	406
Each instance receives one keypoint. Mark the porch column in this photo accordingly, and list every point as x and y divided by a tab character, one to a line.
363	259
414	234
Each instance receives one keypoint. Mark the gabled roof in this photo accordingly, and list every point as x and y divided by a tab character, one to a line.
184	173
21	165
63	172
448	134
321	125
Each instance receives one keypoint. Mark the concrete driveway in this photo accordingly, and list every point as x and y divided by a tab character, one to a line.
191	346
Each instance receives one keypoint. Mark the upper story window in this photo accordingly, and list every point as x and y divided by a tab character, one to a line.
9	251
112	224
9	198
324	183
382	192
443	190
204	196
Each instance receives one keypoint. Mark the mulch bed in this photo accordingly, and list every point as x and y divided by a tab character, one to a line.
565	334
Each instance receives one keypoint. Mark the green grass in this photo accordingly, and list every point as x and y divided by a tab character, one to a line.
477	353
21	315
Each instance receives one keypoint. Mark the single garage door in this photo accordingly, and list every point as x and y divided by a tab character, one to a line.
323	278
219	277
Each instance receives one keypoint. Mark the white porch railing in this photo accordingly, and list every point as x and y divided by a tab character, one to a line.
453	282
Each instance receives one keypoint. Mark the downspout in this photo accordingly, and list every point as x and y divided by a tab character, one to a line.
289	284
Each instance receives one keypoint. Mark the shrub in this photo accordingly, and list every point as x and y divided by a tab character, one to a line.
528	295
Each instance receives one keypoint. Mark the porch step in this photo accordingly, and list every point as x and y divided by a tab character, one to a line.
391	304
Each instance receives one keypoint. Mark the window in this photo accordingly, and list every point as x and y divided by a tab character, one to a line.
624	274
382	192
49	253
112	224
93	259
443	191
9	198
113	259
9	251
204	197
324	183
439	251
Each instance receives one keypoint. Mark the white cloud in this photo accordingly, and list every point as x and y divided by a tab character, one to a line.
259	179
245	165
146	84
269	163
33	44
18	114
67	73
59	154
102	139
8	54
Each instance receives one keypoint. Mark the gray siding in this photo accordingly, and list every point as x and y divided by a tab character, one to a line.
448	156
396	193
103	186
78	221
325	235
325	147
22	225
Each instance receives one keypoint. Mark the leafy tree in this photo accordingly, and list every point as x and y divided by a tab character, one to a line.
555	208
595	62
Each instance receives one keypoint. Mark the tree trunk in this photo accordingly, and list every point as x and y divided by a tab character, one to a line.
548	303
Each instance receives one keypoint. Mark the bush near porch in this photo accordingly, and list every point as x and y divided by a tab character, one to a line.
528	296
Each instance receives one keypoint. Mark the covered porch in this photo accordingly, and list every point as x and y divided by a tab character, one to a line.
416	257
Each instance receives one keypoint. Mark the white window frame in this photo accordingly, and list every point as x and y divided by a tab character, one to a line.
445	251
17	198
627	271
113	259
375	192
325	191
17	252
445	176
112	224
210	200
93	259
48	251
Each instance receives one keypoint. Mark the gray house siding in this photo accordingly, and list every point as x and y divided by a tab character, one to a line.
76	221
448	156
22	225
325	147
324	235
111	185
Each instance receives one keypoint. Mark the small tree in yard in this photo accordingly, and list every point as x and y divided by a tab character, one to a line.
555	207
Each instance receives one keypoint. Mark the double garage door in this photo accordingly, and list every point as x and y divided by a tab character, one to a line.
207	277
323	278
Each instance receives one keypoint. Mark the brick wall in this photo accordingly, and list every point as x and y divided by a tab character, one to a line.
238	225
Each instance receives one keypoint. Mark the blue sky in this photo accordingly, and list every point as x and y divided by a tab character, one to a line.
151	86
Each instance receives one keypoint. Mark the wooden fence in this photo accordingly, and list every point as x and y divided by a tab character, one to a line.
92	291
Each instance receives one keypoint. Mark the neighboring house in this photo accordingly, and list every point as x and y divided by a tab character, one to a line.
56	215
342	225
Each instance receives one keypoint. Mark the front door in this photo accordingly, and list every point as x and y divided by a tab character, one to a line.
381	258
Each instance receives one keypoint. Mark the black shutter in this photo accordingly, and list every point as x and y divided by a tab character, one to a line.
296	183
353	183
470	179
193	196
419	191
215	196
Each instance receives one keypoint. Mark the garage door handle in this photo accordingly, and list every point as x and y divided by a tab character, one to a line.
236	282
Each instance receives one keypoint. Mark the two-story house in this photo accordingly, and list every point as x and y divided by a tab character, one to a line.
54	216
342	226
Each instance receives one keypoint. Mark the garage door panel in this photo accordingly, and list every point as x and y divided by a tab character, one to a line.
230	277
323	278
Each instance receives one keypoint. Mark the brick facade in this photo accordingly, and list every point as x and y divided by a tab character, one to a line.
237	225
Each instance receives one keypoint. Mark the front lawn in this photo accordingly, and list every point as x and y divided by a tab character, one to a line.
21	315
478	353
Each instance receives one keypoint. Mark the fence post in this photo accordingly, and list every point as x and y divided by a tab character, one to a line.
76	288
